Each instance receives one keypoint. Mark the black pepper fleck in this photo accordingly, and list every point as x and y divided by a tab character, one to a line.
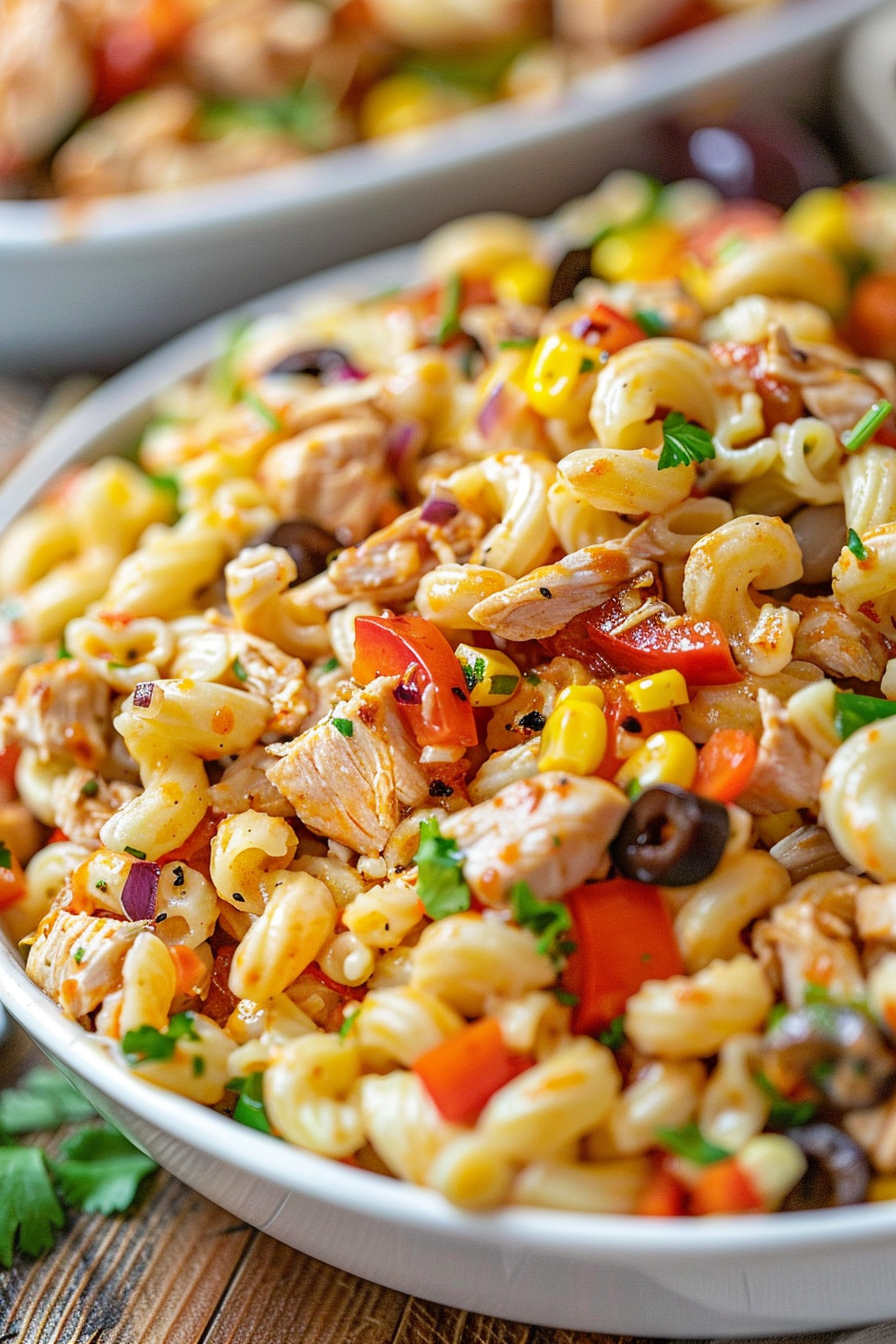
546	592
456	690
631	725
238	897
439	789
534	721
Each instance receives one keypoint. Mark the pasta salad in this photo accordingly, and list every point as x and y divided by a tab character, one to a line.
459	743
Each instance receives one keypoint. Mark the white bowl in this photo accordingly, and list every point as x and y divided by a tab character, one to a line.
867	80
94	284
693	1278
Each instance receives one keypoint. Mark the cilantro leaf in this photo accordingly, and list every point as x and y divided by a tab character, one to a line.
28	1204
650	321
548	919
684	442
687	1141
441	885
613	1036
250	1107
101	1170
855	544
784	1113
148	1043
43	1100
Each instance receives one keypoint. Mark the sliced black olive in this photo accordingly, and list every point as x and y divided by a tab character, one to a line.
308	544
575	267
836	1049
325	362
671	837
838	1171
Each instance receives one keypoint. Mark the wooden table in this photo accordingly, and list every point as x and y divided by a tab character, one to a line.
179	1270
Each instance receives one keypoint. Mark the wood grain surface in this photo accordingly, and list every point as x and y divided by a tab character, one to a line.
179	1270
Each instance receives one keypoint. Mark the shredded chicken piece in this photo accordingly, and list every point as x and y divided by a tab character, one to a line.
390	563
273	674
245	786
81	815
350	782
77	959
809	939
60	708
876	912
334	474
835	385
829	637
551	831
788	771
544	601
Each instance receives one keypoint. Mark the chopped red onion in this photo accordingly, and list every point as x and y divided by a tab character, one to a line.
143	694
400	443
406	693
489	417
138	897
438	510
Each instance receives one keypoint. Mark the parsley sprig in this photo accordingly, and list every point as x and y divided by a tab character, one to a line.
441	884
687	1141
145	1042
684	442
549	920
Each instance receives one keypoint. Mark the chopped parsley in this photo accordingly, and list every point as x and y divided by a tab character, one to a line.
330	665
587	365
533	678
148	1043
102	884
348	1022
449	323
135	853
78	955
547	919
613	1036
565	996
344	726
63	652
517	343
441	884
784	1113
854	544
651	322
270	418
503	685
852	712
473	673
5	855
684	442
224	377
688	1142
250	1109
90	789
867	427
239	671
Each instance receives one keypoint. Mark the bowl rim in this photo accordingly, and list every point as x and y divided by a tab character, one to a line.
111	409
621	90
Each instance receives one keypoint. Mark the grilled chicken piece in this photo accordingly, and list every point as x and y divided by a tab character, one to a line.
551	831
544	601
829	637
245	786
388	566
80	814
77	959
334	474
788	771
352	785
810	940
62	709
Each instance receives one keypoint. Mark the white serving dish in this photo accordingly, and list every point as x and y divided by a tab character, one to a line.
95	284
694	1278
867	82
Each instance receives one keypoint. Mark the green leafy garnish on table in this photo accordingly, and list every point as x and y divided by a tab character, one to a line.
29	1209
43	1100
101	1170
441	884
684	442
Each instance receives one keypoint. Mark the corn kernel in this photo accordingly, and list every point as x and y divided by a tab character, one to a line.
881	1188
523	280
822	217
665	758
592	694
641	252
774	828
554	369
491	676
574	738
407	102
662	690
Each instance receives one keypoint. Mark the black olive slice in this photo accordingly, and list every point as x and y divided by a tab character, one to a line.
671	837
325	362
574	267
838	1171
309	545
834	1047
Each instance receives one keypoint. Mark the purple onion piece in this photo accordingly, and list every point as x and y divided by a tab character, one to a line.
407	694
438	511
138	897
489	417
143	694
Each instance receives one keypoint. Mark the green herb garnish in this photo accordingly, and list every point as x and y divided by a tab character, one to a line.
852	712
148	1043
270	418
565	996
101	1170
62	652
650	322
441	884
43	1100
90	788
330	665
867	427
5	855
613	1036
784	1113
688	1142
78	955
29	1209
503	685
547	919
223	374
307	113
449	323
684	442
533	678
517	343
343	726
250	1107
239	671
135	853
854	544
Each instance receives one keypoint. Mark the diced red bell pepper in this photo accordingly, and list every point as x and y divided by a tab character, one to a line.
725	764
432	695
464	1071
624	936
132	49
697	649
355	992
662	1197
608	329
724	1187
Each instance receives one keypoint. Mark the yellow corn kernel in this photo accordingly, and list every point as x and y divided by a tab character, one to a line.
822	217
574	738
523	280
406	102
491	676
882	1188
665	758
774	828
661	690
554	369
593	695
641	252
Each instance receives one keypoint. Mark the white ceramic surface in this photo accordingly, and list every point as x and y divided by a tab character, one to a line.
694	1278
95	284
867	81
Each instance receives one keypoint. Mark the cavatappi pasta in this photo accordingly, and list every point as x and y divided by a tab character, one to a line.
462	745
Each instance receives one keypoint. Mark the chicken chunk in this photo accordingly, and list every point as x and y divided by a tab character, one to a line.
245	786
388	566
829	637
810	939
547	599
788	771
350	777
84	802
551	831
62	709
77	959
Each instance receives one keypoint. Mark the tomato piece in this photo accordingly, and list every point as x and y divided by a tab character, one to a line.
462	1073
132	49
782	402
624	936
12	883
9	759
195	851
57	836
871	324
189	968
699	650
433	694
607	329
725	764
735	222
662	1197
724	1187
